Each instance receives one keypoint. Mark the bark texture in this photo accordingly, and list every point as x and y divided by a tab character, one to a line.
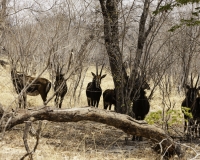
165	144
111	36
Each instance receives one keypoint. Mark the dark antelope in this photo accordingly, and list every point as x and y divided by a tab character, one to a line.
34	86
93	90
141	105
109	98
60	85
60	88
191	108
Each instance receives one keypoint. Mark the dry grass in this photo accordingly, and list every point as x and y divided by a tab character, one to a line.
82	140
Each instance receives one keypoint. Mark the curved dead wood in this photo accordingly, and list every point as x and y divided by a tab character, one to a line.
120	121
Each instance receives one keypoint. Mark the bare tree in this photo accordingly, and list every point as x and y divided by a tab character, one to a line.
148	27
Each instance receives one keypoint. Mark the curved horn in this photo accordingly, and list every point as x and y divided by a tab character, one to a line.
58	70
197	81
96	69
101	69
70	59
191	81
18	72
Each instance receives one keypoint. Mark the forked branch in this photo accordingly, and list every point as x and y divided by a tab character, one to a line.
25	137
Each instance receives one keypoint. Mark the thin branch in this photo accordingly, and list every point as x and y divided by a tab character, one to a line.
38	135
25	137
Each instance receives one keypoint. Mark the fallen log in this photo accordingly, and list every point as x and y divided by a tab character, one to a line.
165	144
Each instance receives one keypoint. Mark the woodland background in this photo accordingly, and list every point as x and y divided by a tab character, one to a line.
163	47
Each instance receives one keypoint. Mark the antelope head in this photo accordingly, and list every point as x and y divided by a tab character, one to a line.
192	91
98	77
59	73
14	73
141	82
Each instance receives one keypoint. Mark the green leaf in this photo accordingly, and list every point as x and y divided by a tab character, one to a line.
173	28
187	111
184	2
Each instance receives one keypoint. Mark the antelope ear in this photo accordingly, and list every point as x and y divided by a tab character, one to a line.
93	74
103	76
187	86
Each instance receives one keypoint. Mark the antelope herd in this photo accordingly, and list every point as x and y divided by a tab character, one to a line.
27	85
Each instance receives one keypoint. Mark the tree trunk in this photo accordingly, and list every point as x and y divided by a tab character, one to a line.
120	121
3	9
111	36
124	86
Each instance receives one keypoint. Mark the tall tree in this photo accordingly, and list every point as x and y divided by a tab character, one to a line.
2	18
124	85
111	35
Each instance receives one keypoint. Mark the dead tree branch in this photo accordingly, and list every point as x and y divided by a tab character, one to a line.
120	121
25	137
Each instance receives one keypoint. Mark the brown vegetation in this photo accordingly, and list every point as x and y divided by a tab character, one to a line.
77	114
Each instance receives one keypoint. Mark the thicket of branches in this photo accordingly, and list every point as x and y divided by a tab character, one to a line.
135	40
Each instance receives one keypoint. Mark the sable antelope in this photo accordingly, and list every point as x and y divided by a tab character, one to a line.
196	116
191	107
93	90
109	98
39	86
141	105
60	87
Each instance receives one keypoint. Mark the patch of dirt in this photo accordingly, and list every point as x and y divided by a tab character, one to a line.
81	140
94	138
